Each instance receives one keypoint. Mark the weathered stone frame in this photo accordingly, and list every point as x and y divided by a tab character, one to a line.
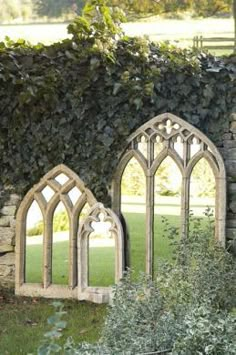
86	292
156	127
47	289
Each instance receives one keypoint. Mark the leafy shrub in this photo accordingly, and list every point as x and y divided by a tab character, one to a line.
60	224
49	344
203	330
77	101
203	271
37	229
187	310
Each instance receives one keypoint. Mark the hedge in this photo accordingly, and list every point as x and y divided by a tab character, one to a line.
77	101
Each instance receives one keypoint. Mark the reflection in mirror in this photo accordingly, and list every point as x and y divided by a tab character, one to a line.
101	255
195	147
84	212
74	194
202	192
142	146
61	178
179	146
133	207
47	193
34	244
60	247
158	145
168	181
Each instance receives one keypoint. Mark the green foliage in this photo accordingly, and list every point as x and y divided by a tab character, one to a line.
52	8
198	8
50	344
200	264
203	187
37	229
188	309
27	9
211	7
12	9
76	102
60	224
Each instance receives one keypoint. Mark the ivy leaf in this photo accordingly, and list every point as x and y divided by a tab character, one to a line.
116	88
138	103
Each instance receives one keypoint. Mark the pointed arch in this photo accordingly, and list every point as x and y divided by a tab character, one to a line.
165	128
98	294
60	193
162	156
116	183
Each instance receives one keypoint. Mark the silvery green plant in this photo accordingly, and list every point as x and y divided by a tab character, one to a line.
187	309
50	343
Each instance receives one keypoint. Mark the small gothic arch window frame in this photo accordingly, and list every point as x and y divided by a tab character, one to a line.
90	293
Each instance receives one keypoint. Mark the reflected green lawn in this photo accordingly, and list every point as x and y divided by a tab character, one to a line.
101	259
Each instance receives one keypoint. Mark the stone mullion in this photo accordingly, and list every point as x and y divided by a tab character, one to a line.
47	250
20	251
116	194
220	210
185	206
150	211
185	193
73	251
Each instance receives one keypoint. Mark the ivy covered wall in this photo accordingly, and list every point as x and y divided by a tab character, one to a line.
76	102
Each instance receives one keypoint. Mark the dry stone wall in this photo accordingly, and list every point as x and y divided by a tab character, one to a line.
227	147
7	240
228	151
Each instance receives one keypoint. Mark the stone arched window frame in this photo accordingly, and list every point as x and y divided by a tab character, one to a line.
85	291
47	210
158	126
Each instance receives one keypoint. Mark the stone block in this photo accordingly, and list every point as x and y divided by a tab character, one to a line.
233	116
5	221
227	136
233	127
7	259
230	153
13	222
232	206
230	144
13	200
6	248
232	187
8	210
7	269
230	233
7	235
223	151
231	223
232	246
231	168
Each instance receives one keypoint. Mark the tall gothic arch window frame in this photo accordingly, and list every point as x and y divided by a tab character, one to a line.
168	127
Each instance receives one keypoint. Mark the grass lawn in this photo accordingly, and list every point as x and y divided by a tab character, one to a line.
101	259
180	32
23	321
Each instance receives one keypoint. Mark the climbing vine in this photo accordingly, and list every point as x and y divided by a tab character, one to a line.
76	102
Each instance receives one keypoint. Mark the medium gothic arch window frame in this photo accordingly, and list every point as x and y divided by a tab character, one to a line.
168	127
47	208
